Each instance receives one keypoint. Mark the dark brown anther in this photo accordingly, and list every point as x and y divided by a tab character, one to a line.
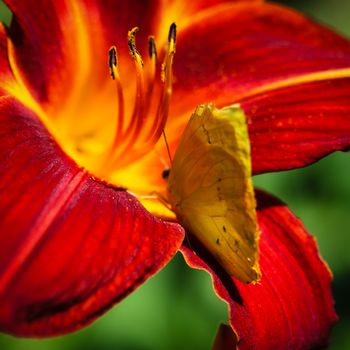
112	61
152	47
132	42
172	33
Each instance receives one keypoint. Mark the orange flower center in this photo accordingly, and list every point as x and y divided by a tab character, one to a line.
112	131
146	124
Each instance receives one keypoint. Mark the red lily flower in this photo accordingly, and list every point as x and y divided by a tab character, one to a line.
73	241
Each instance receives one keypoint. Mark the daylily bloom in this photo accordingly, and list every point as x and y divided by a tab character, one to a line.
76	145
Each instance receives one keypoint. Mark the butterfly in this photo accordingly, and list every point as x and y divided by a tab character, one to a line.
210	190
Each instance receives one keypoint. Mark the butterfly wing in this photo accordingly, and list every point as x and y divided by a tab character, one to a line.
211	191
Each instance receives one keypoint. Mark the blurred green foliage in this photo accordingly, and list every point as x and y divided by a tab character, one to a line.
177	308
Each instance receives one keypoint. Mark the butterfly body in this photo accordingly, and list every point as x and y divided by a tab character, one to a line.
210	189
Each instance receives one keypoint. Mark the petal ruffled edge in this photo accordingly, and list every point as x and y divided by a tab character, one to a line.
292	307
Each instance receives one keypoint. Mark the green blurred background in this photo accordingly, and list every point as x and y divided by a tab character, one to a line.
177	308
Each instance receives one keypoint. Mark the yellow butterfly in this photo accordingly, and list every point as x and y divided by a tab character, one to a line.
209	188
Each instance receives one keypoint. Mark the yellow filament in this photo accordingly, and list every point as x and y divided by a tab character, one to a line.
167	78
153	67
113	67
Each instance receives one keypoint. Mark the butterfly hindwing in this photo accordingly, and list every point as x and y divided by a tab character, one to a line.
211	190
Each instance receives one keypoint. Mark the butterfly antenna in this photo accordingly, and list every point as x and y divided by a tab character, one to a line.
168	149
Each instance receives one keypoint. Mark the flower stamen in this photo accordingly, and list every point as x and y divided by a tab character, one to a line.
124	140
152	50
148	119
113	68
167	79
138	114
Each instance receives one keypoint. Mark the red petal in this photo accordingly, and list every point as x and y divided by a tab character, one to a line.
70	246
62	45
296	126
182	12
292	307
223	66
292	81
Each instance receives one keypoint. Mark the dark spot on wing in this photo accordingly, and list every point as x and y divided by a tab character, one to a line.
219	193
206	132
224	228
